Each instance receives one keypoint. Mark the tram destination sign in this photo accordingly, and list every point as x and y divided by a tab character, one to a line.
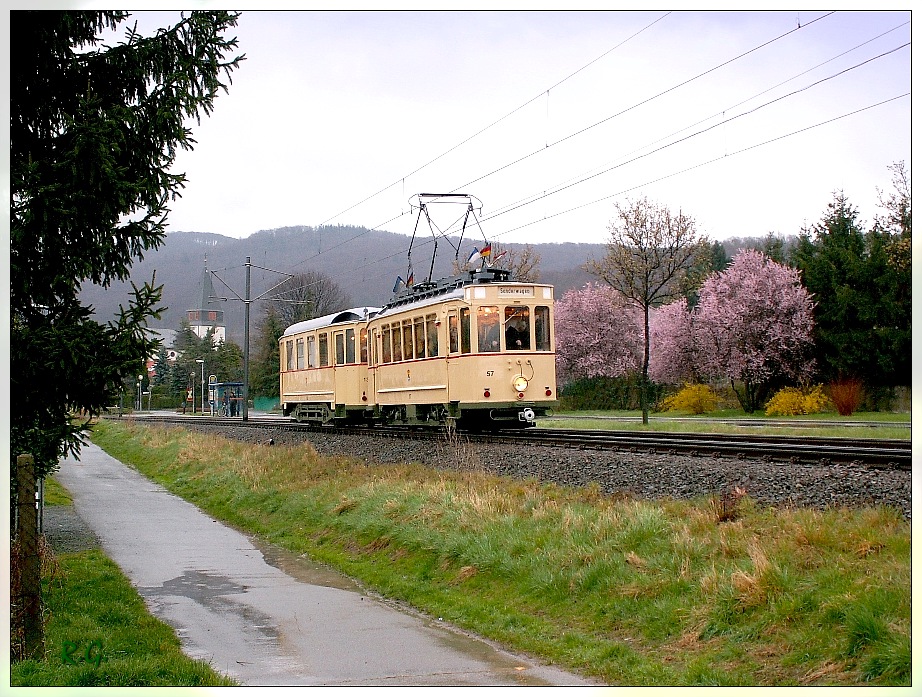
516	292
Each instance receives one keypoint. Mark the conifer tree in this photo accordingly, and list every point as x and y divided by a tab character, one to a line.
863	303
94	131
831	258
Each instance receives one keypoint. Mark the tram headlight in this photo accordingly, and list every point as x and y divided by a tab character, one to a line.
519	383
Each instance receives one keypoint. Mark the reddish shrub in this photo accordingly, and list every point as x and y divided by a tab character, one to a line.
846	395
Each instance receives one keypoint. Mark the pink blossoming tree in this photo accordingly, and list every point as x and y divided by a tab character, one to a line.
753	325
598	333
674	353
654	257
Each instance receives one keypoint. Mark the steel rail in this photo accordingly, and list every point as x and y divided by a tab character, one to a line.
878	453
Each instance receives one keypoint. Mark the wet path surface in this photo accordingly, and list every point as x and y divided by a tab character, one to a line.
264	616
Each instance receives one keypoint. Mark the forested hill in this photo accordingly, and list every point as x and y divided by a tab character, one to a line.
365	263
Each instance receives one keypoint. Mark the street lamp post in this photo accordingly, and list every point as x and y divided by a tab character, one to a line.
201	362
140	378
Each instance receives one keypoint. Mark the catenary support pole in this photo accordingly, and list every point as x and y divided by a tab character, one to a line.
246	345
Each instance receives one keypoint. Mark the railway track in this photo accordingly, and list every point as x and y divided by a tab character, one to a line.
875	453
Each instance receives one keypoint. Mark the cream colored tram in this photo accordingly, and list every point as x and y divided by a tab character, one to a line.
324	368
477	349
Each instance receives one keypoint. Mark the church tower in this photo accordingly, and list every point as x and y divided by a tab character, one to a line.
208	315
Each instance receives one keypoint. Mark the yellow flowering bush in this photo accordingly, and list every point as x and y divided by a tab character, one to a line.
792	401
696	399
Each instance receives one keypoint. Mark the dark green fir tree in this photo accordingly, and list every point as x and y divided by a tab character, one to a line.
94	130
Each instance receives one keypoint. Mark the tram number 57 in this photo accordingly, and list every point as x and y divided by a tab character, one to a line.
489	373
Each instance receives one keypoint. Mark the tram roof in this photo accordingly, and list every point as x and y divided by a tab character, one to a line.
353	315
430	293
423	300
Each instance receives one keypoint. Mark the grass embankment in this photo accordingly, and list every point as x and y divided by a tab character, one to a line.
734	421
98	630
631	592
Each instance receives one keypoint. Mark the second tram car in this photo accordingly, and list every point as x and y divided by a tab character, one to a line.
476	350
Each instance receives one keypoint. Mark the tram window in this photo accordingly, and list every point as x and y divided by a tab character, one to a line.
465	330
311	352
386	344
350	346
300	346
407	339
324	353
543	328
398	341
340	348
453	333
432	336
518	328
363	345
487	328
289	355
420	337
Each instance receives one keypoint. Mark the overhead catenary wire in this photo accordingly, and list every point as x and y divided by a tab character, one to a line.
721	113
547	193
402	180
584	178
566	138
627	190
364	266
703	164
642	102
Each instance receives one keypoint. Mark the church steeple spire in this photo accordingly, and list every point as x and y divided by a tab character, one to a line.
209	299
208	315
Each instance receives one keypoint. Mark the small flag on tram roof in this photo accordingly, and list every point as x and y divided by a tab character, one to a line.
398	284
475	255
486	251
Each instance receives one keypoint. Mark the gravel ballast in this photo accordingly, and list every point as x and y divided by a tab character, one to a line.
645	475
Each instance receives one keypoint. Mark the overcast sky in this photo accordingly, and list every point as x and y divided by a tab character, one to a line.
747	122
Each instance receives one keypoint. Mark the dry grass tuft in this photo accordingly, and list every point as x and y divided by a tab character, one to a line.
753	589
378	544
634	560
464	573
726	506
253	470
868	548
458	452
344	506
826	670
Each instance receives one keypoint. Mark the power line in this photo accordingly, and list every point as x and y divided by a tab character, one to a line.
494	123
641	103
622	192
572	135
580	177
572	183
700	164
547	194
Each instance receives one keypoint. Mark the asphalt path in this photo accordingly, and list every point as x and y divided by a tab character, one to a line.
266	617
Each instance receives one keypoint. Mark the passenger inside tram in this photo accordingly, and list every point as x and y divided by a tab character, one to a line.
517	336
517	328
487	329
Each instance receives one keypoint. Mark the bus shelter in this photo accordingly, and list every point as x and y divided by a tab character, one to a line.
228	398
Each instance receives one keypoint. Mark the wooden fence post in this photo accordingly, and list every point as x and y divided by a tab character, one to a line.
31	569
